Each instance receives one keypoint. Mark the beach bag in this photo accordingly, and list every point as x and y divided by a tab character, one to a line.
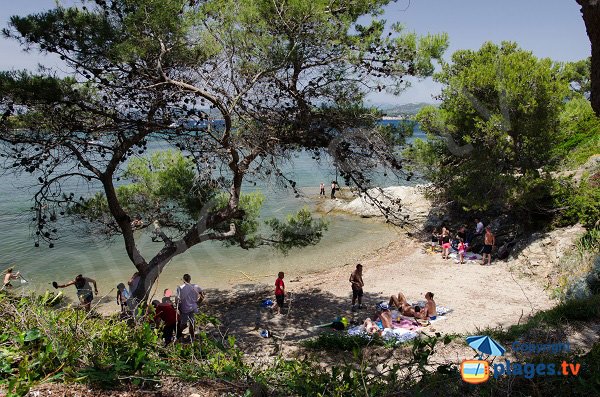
340	323
267	303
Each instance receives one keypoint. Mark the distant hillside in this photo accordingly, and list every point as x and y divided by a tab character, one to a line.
409	109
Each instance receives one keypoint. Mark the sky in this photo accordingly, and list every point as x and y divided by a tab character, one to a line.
548	28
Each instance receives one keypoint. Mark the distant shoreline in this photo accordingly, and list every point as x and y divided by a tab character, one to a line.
393	118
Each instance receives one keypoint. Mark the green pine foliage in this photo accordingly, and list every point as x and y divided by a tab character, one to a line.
580	133
490	141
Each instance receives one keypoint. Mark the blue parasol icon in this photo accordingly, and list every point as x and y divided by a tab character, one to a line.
485	344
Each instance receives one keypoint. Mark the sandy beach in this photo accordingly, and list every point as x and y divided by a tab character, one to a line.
479	296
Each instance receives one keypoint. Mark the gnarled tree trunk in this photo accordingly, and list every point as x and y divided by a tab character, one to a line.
590	9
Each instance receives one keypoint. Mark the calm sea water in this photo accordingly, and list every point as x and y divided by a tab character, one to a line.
210	264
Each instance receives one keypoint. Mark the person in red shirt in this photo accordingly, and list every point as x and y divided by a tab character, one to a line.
279	293
166	314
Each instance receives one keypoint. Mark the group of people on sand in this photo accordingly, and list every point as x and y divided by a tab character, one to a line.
173	316
406	309
383	316
461	241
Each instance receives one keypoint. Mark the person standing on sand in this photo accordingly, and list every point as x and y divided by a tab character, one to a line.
322	190
84	290
357	286
334	187
133	282
122	297
279	293
187	301
489	241
445	237
461	251
435	237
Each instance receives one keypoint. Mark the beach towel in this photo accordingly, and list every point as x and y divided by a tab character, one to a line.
442	310
471	256
405	323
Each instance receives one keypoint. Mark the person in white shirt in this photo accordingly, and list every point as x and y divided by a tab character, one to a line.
479	227
187	302
478	231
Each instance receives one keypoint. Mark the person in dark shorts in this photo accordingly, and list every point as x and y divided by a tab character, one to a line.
84	290
357	286
279	293
489	241
435	238
334	188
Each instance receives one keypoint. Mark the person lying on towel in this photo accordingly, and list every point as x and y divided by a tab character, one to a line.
381	320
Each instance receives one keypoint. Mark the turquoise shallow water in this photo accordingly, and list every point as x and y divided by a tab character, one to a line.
210	264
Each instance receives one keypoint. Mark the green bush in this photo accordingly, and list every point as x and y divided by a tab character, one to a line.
339	341
39	343
577	202
580	132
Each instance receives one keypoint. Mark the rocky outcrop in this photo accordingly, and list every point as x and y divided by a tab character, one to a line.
404	202
546	256
548	248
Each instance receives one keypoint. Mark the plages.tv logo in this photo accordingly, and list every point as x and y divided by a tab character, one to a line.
479	370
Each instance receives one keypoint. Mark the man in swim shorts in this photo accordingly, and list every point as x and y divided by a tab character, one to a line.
489	241
357	286
430	311
84	290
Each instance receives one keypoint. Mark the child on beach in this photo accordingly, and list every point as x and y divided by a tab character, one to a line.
434	239
279	293
122	297
461	250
